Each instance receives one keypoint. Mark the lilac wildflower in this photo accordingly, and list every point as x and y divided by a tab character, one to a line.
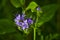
38	8
22	22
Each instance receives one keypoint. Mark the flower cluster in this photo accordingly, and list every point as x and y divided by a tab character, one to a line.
22	22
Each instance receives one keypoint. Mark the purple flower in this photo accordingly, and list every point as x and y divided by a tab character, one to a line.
20	21
30	21
20	17
25	26
38	8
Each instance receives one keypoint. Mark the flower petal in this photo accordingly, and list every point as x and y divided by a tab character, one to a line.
25	25
25	21
18	17
29	21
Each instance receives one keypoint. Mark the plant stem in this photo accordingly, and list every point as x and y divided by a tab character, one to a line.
34	33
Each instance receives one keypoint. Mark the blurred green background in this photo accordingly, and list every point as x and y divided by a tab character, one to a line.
8	30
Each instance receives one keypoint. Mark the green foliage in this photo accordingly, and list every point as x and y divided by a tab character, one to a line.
17	3
51	36
42	37
54	36
12	36
18	36
6	26
22	2
32	6
48	13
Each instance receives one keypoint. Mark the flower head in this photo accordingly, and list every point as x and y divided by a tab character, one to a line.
22	22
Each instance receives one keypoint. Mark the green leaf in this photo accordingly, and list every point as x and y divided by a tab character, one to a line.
32	6
14	36
49	12
6	26
22	2
18	36
16	3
